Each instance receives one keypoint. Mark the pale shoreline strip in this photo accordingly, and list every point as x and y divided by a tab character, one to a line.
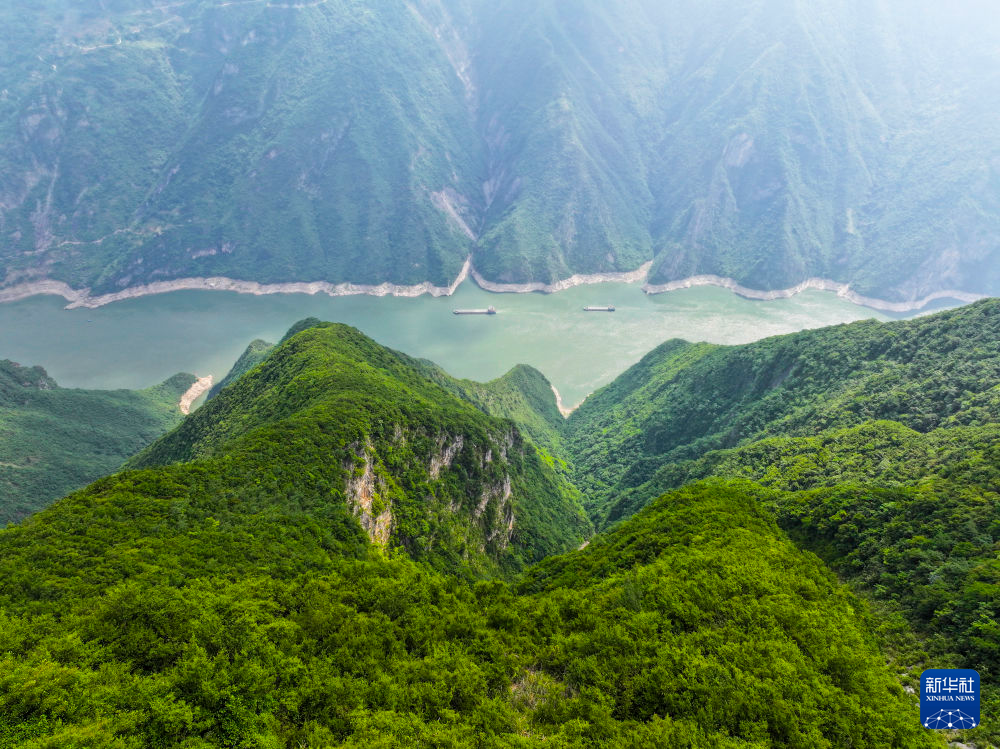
842	290
561	406
81	297
39	288
198	388
77	298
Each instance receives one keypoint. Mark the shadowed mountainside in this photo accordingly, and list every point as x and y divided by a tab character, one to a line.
342	141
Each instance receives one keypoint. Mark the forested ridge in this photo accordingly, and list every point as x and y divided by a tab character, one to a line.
880	443
710	630
348	547
683	400
54	440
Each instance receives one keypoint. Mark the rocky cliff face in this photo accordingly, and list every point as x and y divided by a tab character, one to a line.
366	495
417	468
14	375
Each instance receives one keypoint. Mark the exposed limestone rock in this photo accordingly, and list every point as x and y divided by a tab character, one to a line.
506	445
397	434
445	454
488	520
503	530
366	498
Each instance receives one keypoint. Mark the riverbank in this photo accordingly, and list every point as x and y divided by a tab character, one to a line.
561	406
143	341
198	388
43	288
77	298
842	290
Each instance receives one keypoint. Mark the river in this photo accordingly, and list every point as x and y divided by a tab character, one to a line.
138	342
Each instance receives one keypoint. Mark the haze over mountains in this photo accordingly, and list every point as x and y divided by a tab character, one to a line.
752	546
767	142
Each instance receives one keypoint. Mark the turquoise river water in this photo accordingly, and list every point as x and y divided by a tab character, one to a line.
139	342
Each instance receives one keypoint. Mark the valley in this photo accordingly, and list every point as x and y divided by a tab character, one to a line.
137	342
467	375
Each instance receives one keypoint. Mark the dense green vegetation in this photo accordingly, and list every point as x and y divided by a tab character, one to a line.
706	568
347	546
523	395
683	400
911	519
253	355
696	624
422	470
880	444
878	452
54	440
148	140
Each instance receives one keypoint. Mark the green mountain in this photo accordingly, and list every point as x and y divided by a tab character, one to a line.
373	437
54	440
910	518
253	355
523	395
874	445
695	624
683	400
346	546
341	141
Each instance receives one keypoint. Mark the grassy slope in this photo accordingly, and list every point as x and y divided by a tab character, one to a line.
54	440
